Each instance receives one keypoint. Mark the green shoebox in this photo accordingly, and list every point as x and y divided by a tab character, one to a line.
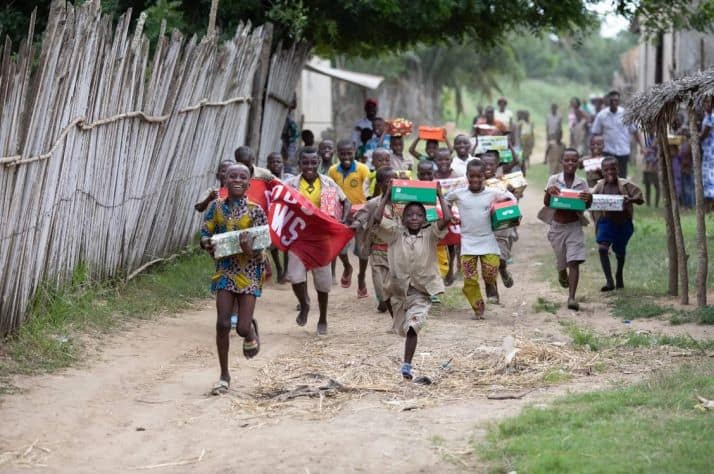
407	190
431	214
505	214
505	156
568	201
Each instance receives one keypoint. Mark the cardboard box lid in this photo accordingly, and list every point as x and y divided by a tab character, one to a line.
413	183
502	204
570	193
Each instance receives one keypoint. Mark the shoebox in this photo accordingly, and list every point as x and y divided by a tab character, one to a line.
431	214
452	184
495	183
432	133
568	200
228	243
505	214
505	156
608	202
517	181
409	190
592	164
491	142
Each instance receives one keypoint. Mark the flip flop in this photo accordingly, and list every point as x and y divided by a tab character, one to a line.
220	388
362	293
253	345
346	280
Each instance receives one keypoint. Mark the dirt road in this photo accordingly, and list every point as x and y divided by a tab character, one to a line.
141	402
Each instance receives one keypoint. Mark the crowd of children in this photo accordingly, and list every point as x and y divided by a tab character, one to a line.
405	243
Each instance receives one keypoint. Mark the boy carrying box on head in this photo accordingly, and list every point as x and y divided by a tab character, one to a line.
369	242
614	228
566	225
412	267
478	243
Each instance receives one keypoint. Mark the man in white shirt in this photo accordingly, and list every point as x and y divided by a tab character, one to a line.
370	110
503	114
616	135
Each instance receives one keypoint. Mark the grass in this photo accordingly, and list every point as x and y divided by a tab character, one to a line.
58	320
634	306
648	427
544	305
585	338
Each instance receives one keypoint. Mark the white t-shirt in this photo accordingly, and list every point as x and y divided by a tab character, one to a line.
506	117
458	166
475	210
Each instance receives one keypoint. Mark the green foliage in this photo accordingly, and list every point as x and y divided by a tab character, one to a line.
545	305
163	10
633	306
586	338
622	430
657	16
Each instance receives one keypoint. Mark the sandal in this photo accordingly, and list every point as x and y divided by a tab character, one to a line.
480	310
406	371
252	348
346	280
220	388
362	293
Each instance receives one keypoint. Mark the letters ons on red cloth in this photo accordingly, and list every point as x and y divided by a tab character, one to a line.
297	225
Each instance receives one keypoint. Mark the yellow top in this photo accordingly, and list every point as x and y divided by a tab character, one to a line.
353	183
311	191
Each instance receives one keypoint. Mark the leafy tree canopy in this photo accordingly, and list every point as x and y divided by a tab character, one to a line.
366	28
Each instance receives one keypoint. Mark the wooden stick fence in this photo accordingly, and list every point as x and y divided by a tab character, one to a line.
104	149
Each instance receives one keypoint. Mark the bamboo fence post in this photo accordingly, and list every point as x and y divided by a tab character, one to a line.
259	86
664	170
702	252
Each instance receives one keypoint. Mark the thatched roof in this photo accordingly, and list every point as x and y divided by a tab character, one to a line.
661	102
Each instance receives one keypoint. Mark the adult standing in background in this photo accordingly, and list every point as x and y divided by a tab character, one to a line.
370	111
615	133
553	129
503	114
707	140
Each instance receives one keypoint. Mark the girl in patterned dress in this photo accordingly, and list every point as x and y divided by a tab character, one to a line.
238	278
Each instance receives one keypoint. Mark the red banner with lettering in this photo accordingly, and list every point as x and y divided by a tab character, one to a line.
297	225
259	192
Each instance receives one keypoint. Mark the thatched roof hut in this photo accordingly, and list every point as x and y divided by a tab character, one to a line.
661	102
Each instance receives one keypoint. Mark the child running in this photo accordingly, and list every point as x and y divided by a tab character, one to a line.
614	229
324	194
238	278
566	227
462	147
397	162
353	178
443	162
326	151
371	245
412	268
477	240
213	194
597	144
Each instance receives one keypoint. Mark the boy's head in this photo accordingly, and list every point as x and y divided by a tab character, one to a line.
308	162
308	138
425	170
575	103
397	145
326	149
443	160
597	145
570	161
245	156
526	115
379	126
475	175
275	163
221	171
610	169
365	135
237	180
490	113
489	162
502	103
385	176
370	108
414	217
462	145
553	109
431	147
380	158
346	152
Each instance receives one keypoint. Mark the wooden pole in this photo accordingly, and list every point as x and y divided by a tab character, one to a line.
702	252
674	205
668	219
260	79
211	30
